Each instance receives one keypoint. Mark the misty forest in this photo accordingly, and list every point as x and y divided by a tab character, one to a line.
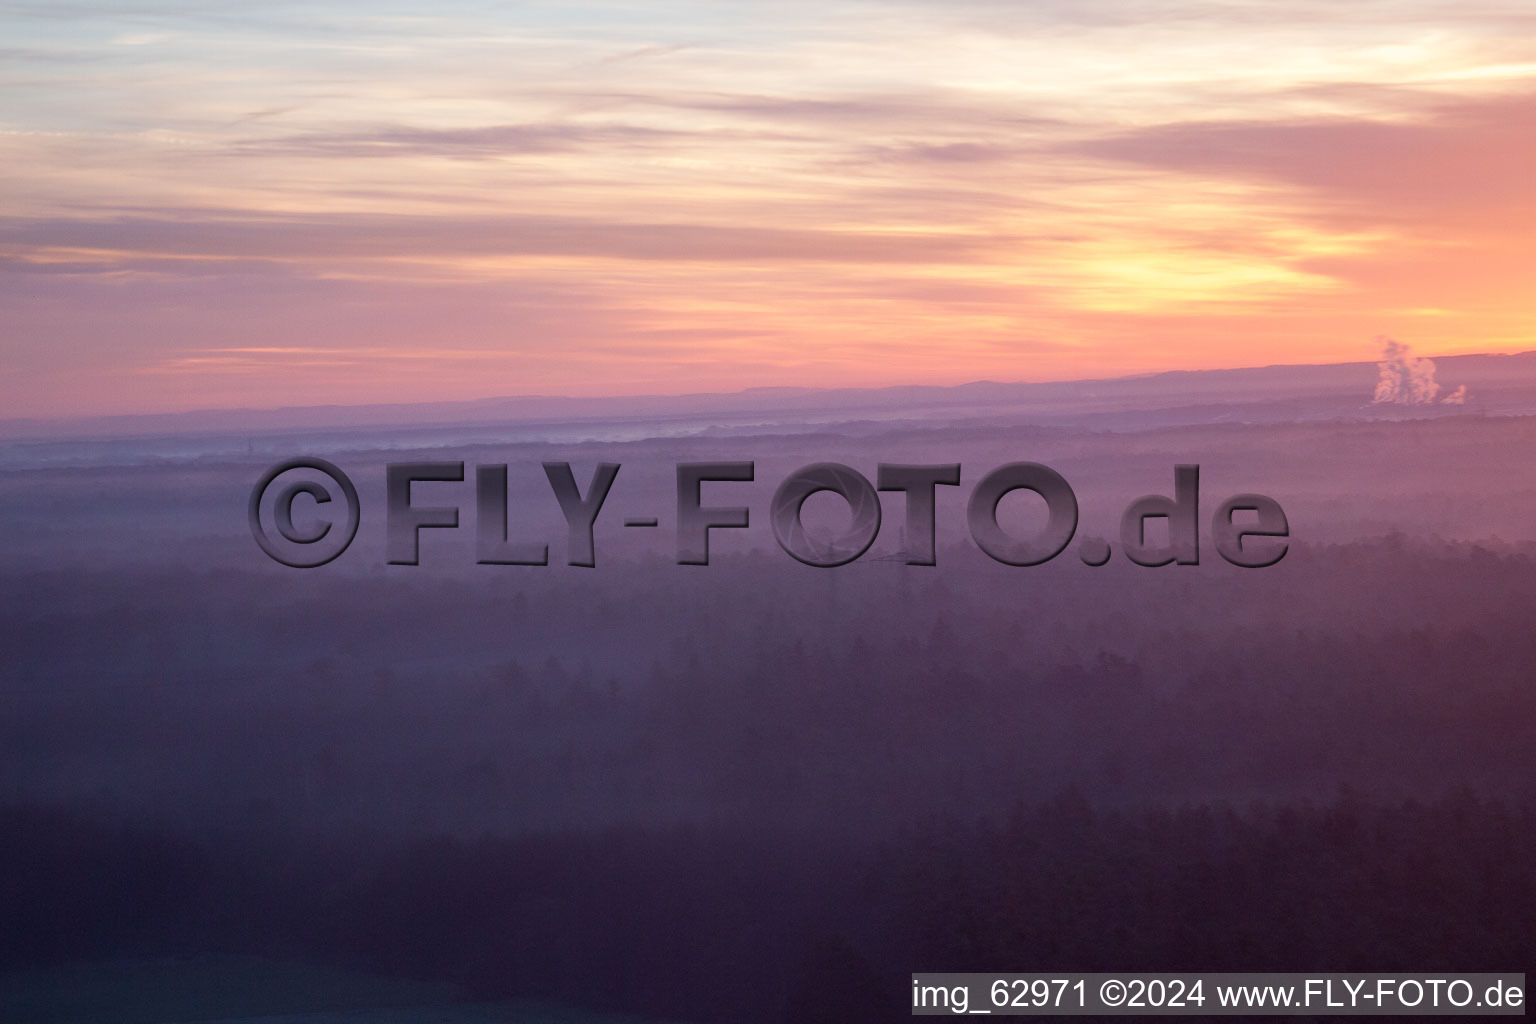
757	790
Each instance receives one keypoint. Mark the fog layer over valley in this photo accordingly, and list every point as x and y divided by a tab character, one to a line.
615	786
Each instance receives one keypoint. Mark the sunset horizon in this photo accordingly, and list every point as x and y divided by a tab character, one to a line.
339	204
1513	373
678	512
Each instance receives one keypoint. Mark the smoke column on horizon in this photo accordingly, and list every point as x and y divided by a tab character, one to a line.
1405	379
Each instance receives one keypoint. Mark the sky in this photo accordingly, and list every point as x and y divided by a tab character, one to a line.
229	205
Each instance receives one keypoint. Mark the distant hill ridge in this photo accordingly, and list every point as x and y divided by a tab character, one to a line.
1505	383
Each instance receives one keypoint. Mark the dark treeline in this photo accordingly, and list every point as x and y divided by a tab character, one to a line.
718	924
758	691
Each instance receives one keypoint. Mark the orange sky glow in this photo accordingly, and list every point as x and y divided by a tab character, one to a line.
224	205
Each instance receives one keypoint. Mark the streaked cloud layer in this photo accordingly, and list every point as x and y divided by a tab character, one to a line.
211	204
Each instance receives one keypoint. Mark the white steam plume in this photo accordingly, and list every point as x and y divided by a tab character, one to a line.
1404	379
